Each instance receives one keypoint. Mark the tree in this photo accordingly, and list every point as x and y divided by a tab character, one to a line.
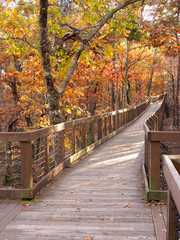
54	94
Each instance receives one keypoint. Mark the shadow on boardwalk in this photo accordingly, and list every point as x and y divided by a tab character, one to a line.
99	198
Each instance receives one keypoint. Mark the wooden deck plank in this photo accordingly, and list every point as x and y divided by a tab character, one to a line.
159	225
99	198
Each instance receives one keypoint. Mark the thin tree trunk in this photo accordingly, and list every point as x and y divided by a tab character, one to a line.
177	94
128	92
112	96
126	74
152	73
173	92
168	96
117	82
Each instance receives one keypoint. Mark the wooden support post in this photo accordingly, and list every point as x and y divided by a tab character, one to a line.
105	126
130	113
154	171
60	145
114	123
123	121
84	135
99	128
125	117
47	153
128	116
172	221
155	122
146	155
74	140
110	124
26	165
118	120
93	131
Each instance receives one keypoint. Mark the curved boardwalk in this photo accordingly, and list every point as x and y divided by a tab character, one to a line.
99	198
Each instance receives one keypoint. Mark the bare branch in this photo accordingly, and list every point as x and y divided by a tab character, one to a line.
22	40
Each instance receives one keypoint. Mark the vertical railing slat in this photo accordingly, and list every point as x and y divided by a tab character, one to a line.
60	145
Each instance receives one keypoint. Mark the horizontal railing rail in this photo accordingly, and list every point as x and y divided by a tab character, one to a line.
171	169
29	160
153	138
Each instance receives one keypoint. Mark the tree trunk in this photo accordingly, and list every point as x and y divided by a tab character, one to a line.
93	105
177	94
152	73
52	95
173	92
126	75
112	96
128	92
117	82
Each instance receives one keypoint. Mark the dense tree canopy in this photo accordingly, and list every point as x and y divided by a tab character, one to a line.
62	60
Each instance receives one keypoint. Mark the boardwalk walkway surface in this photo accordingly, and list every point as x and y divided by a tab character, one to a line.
99	198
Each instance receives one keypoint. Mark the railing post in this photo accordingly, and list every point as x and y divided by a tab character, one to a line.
74	140
122	118
154	177
84	135
26	165
146	154
47	153
118	120
105	126
127	116
93	130
60	145
114	122
99	128
172	220
110	124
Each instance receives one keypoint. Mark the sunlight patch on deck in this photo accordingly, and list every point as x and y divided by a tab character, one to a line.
115	160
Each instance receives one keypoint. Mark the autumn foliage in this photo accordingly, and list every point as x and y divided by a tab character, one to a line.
130	57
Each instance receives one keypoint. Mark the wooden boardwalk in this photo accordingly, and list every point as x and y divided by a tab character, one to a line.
99	198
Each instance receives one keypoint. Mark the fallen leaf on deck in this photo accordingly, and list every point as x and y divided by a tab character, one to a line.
88	238
102	219
127	205
26	204
125	183
78	210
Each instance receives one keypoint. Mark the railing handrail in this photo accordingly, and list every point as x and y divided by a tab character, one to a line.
153	137
173	179
34	134
171	169
49	150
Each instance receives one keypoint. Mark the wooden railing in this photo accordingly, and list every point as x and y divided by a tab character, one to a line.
171	169
29	160
153	137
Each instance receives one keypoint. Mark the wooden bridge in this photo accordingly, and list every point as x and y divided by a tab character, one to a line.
102	196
